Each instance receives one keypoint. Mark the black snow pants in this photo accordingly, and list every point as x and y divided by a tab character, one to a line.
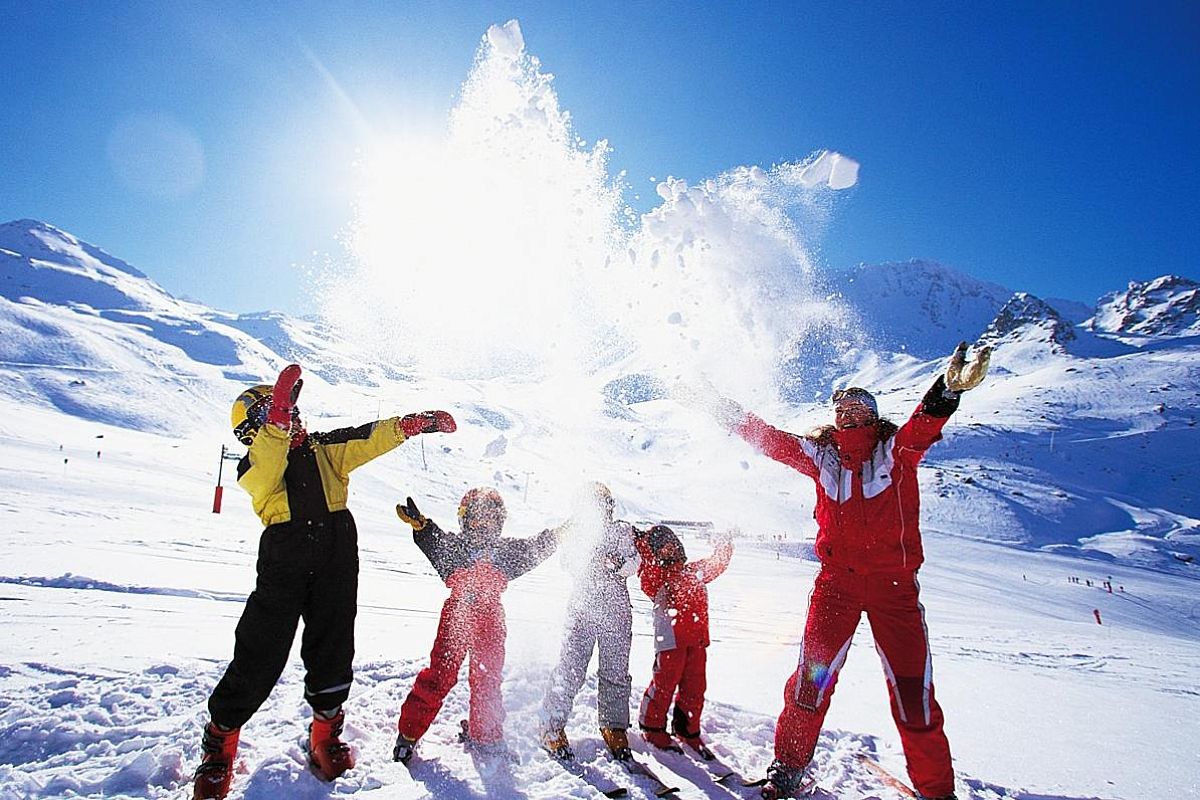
306	570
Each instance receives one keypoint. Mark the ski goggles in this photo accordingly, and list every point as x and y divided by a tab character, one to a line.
854	394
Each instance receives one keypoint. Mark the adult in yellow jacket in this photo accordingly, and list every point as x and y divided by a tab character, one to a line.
307	569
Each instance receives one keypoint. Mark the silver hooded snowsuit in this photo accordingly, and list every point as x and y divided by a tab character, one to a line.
599	616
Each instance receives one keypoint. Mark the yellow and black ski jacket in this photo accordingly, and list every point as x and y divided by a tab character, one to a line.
334	455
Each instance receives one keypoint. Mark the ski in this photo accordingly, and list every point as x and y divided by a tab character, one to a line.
720	771
889	780
639	769
592	776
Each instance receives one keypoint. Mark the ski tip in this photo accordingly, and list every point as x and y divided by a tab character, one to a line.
667	792
618	792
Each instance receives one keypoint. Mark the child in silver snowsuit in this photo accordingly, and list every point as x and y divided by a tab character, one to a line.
600	558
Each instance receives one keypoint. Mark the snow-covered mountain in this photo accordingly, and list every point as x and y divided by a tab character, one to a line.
916	306
1025	316
84	332
89	335
121	588
1166	306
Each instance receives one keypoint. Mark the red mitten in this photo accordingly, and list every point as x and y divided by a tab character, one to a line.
427	422
283	397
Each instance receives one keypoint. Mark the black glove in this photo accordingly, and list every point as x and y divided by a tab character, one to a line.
412	515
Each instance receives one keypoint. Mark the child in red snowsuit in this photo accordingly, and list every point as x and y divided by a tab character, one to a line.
681	641
477	565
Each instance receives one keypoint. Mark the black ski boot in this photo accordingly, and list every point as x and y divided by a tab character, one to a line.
782	781
404	749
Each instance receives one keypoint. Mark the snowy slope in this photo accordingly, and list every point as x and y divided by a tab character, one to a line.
120	590
1066	473
86	333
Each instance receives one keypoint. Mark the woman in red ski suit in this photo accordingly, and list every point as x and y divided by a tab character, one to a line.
869	546
477	565
680	594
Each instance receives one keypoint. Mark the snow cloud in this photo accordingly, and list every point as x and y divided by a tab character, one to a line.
506	249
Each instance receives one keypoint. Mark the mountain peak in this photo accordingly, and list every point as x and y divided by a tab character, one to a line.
40	261
1027	317
918	306
1168	305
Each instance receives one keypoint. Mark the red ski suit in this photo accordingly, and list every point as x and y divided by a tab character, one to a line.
680	636
472	623
869	545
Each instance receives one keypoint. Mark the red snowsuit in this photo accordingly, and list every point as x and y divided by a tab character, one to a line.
680	636
472	623
869	545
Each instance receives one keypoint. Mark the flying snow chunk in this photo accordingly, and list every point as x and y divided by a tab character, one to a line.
507	39
831	169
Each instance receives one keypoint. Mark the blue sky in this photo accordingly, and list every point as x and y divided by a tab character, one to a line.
1049	147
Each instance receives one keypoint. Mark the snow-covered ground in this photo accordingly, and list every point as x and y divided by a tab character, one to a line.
120	589
515	291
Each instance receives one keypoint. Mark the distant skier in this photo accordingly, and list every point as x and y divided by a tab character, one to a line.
680	594
477	564
869	545
600	558
307	569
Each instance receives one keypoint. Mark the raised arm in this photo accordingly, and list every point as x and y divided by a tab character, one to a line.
924	427
350	448
786	448
782	446
260	472
709	569
440	548
650	572
622	557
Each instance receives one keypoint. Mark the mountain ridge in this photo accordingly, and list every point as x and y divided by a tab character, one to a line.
1067	447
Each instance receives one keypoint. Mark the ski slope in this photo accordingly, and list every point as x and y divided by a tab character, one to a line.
120	590
555	320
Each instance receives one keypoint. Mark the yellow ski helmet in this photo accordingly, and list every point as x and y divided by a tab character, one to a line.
249	412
